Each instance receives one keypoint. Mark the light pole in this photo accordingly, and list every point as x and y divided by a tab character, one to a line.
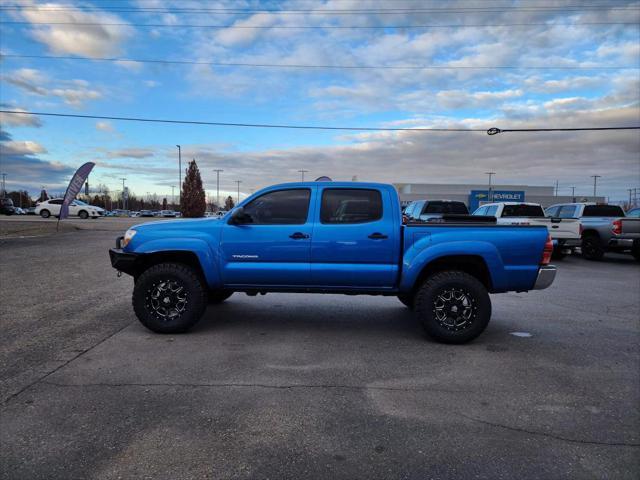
218	170
491	174
573	194
238	182
595	182
557	186
179	175
173	196
123	195
302	172
4	188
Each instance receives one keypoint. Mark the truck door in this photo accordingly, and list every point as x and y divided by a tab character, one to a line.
355	240
272	244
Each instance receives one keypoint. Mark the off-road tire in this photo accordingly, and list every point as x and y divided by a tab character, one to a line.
635	251
148	309
219	296
557	254
407	299
45	213
428	299
592	248
83	214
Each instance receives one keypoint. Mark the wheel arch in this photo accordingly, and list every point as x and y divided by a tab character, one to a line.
189	258
474	265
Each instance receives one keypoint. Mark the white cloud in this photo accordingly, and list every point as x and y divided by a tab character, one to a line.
85	40
11	120
72	92
105	127
131	153
21	147
151	83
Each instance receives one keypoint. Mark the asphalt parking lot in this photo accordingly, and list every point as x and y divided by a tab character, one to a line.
308	386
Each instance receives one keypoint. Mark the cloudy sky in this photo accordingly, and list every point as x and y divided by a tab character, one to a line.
572	64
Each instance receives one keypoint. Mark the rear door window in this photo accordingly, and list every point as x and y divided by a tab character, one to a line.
602	211
522	211
350	205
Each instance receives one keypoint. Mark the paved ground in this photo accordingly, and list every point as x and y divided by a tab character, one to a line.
303	386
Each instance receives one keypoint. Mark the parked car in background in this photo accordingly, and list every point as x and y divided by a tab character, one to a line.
565	232
6	206
134	214
118	212
146	213
77	208
19	211
331	237
634	213
167	213
30	211
426	210
605	228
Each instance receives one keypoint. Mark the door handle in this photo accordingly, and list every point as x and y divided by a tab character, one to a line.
298	236
378	236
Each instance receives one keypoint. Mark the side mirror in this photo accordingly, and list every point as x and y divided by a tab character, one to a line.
238	216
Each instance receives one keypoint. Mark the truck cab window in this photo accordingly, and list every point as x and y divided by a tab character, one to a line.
350	205
282	207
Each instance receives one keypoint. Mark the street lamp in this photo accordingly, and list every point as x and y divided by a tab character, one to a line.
238	182
491	174
573	194
302	172
179	174
4	188
123	194
595	181
218	170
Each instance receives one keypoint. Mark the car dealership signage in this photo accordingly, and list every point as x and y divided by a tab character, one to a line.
479	197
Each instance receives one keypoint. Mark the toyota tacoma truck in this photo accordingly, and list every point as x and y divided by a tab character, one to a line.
565	232
331	237
605	228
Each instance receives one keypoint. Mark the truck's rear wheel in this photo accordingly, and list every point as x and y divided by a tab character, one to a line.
591	247
169	298
453	306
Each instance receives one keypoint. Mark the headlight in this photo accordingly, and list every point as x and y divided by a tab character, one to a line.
127	237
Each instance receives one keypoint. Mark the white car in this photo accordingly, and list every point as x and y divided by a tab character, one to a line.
77	208
565	232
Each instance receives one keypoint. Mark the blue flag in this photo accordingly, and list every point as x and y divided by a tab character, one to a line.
75	185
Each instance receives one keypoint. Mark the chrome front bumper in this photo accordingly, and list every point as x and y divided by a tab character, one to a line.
546	276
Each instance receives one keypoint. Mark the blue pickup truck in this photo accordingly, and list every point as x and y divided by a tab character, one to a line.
332	237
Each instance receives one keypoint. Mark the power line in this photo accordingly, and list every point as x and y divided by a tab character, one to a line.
311	66
296	27
491	131
377	11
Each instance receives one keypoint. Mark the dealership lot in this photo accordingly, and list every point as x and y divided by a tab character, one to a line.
292	386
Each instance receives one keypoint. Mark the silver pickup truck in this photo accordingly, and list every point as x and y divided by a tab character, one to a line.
605	228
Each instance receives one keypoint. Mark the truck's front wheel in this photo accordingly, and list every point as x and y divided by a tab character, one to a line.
169	298
453	306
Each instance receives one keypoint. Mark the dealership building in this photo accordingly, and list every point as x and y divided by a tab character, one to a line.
475	195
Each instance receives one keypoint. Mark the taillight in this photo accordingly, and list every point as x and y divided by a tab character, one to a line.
547	252
617	227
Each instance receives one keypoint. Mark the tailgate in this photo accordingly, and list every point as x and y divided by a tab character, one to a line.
563	228
631	226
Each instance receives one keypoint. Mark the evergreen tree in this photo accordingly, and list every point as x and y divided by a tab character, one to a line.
164	204
193	196
228	203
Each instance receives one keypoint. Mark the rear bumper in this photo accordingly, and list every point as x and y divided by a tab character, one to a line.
622	242
546	276
567	242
